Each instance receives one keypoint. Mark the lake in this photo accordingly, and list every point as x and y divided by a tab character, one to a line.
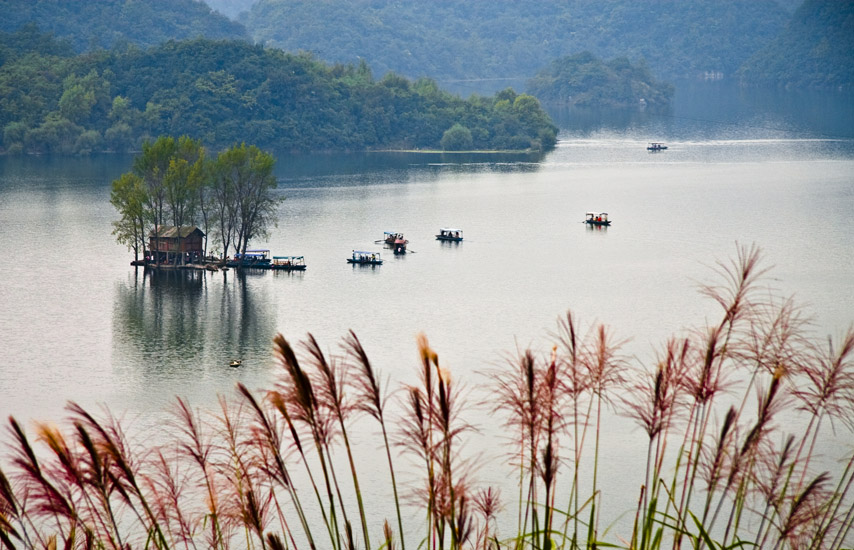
78	323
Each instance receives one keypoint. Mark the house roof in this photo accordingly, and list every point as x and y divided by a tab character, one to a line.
172	232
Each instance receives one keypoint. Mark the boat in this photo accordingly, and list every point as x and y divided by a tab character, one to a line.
654	146
597	219
259	259
450	234
288	263
362	257
396	241
235	363
399	247
389	237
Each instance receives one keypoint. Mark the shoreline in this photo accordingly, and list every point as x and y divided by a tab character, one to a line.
6	153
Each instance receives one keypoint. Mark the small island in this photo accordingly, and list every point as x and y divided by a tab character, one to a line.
175	185
584	80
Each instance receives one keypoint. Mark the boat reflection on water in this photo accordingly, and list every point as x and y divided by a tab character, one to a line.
597	228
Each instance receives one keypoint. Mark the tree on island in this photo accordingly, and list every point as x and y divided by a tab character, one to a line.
174	181
170	169
128	196
241	194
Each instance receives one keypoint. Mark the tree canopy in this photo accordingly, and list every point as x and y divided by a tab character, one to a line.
174	182
230	91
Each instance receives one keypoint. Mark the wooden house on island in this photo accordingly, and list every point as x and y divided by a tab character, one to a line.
170	245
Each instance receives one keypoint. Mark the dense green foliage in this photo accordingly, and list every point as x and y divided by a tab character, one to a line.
28	39
815	50
174	182
105	23
230	91
463	40
457	138
586	81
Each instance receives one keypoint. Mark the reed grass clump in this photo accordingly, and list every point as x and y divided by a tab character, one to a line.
731	414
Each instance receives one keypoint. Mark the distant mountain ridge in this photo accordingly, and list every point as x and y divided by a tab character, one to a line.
815	50
105	23
451	40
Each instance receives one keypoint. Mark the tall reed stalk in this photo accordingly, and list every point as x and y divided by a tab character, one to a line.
373	401
718	472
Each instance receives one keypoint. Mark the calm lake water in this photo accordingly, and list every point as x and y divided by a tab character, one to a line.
78	323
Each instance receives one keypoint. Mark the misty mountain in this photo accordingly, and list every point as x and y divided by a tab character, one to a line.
815	50
584	80
105	23
230	8
463	40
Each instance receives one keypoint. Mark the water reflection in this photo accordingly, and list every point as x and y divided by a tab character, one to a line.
591	228
165	320
372	268
382	168
587	121
52	171
286	274
721	109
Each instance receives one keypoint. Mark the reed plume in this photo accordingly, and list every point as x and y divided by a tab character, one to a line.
195	444
296	401
518	397
47	497
332	384
371	399
431	429
11	513
228	479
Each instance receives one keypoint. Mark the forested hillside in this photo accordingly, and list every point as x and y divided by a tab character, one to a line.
462	40
815	50
103	23
584	80
231	8
224	92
